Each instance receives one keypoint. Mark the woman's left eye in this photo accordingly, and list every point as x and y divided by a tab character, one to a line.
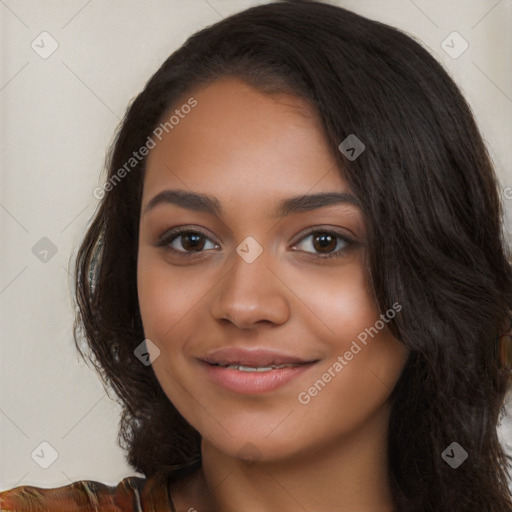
332	243
188	242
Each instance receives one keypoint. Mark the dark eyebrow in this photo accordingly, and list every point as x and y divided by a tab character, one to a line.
204	203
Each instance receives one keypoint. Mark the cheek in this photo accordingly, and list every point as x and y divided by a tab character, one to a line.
344	319
359	333
167	297
334	301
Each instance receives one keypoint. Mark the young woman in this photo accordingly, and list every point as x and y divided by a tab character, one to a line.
296	279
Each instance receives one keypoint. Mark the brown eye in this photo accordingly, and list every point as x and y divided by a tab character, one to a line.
186	242
192	242
325	244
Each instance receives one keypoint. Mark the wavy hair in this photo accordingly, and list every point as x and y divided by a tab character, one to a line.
432	207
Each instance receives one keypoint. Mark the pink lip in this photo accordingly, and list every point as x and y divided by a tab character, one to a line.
251	357
253	382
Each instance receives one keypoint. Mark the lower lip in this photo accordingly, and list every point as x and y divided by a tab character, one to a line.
253	382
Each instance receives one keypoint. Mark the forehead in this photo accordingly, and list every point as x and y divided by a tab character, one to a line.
237	142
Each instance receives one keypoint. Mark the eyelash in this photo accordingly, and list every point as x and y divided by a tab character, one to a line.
169	236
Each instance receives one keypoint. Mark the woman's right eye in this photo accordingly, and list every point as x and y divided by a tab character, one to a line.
185	242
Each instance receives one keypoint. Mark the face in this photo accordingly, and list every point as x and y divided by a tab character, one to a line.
256	300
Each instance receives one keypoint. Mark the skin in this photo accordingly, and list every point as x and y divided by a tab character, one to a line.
250	150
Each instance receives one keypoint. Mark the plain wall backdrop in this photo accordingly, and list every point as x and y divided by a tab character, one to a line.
69	70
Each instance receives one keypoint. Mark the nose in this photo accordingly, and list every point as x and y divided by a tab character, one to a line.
251	294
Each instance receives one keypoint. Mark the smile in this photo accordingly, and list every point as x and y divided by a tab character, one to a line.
253	379
244	368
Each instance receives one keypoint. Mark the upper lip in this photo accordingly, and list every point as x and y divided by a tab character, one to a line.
252	357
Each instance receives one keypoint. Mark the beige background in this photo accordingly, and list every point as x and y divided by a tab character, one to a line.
58	115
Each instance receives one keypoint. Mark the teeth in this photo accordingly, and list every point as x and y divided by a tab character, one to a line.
243	368
250	368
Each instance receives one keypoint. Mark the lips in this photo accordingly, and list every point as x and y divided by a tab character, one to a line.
253	371
253	358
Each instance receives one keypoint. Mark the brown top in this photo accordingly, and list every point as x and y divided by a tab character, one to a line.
132	494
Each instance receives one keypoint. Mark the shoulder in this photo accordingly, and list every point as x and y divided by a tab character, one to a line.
132	494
